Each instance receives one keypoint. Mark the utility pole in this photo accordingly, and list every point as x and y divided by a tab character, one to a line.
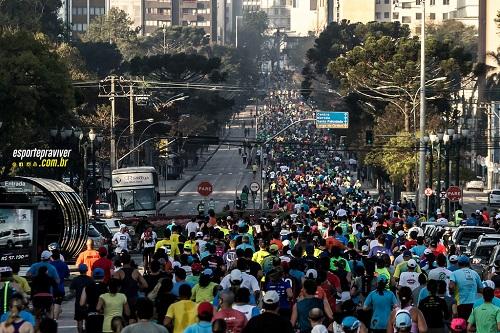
131	121
113	140
421	169
110	91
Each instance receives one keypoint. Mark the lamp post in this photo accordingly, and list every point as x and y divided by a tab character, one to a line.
142	133
440	138
446	141
131	139
92	136
463	139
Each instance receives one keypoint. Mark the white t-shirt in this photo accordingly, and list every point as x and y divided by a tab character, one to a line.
248	281
319	329
246	309
409	279
440	273
121	240
152	242
192	227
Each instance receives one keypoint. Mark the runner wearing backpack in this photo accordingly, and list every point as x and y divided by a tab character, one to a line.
268	262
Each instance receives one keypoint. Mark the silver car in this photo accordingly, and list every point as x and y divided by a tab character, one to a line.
14	237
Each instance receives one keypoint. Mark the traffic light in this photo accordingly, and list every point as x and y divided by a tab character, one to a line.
369	137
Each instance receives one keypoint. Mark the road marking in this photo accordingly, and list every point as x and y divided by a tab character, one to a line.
230	173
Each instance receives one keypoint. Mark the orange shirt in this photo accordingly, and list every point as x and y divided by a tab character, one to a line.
88	258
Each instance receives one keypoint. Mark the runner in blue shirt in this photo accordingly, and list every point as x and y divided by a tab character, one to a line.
381	301
465	283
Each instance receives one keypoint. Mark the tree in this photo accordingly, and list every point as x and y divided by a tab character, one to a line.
398	158
73	60
177	39
387	69
33	16
100	58
35	91
251	34
179	67
115	28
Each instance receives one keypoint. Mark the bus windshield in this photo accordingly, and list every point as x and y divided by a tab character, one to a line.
135	200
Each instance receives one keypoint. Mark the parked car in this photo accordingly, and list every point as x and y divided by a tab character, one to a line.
14	237
494	198
475	185
463	234
102	209
102	227
495	255
482	250
99	240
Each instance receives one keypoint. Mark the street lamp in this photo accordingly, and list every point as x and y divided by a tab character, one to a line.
140	136
149	120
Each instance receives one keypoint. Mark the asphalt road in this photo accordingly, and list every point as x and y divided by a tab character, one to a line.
225	171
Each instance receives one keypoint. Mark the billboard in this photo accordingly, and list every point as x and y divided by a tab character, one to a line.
331	119
17	235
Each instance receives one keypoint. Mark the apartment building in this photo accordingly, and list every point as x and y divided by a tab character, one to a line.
79	13
308	17
147	15
410	12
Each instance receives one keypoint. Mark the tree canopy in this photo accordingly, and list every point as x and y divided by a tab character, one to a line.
35	90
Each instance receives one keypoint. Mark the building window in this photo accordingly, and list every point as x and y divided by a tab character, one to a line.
84	10
418	16
387	2
164	23
432	16
387	15
377	16
151	10
406	19
377	2
151	23
406	5
433	2
91	11
313	5
445	16
395	16
417	2
418	30
164	11
73	10
446	2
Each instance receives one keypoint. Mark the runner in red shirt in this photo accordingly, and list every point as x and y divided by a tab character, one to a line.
104	263
235	320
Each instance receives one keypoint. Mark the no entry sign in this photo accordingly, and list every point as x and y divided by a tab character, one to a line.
205	188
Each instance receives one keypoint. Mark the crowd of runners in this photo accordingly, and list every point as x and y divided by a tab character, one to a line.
326	256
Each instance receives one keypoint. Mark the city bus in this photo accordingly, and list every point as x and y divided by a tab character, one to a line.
135	191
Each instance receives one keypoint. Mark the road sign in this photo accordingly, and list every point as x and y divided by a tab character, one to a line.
428	191
254	187
329	119
454	193
205	188
442	195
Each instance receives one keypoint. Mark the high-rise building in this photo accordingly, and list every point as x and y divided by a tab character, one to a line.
78	14
147	15
308	17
